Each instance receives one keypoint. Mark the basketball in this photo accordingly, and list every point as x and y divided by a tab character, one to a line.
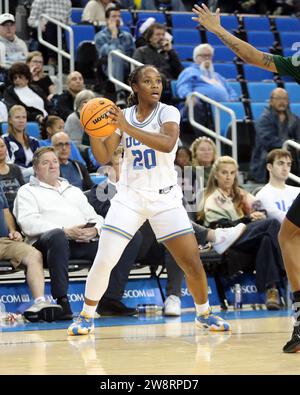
94	117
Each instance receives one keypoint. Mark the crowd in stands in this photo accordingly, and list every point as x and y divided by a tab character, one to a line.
44	178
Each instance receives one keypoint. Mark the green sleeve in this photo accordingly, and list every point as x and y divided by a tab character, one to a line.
285	66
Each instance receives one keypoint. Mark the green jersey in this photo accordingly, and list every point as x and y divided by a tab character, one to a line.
285	66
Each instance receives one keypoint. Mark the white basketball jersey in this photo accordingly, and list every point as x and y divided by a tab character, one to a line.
144	168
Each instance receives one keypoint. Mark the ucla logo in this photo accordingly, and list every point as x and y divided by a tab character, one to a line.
98	119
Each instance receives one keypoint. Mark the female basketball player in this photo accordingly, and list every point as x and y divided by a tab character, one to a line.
148	189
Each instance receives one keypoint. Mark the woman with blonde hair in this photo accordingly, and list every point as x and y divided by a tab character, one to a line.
226	204
20	146
204	154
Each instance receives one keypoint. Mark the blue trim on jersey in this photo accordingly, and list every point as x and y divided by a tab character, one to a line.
118	231
147	121
159	114
175	234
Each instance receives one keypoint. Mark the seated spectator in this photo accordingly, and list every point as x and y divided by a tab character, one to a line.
221	239
11	177
72	170
94	11
22	92
12	48
110	38
54	124
226	204
20	146
276	124
276	197
201	77
20	254
204	154
35	62
58	220
58	9
64	102
159	52
73	125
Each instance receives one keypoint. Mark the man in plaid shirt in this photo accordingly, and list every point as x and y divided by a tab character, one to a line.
57	9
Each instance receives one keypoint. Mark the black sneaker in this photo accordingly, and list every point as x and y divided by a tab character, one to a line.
294	344
108	307
67	314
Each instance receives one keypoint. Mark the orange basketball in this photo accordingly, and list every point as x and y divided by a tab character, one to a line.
94	117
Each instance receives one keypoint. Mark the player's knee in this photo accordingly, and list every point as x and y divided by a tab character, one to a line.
193	265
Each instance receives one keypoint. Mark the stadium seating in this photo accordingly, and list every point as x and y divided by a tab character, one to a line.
76	15
81	33
159	16
225	118
253	73
183	21
290	24
295	108
256	23
293	90
257	109
227	70
187	37
185	52
260	91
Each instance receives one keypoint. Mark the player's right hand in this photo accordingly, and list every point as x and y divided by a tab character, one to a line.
206	18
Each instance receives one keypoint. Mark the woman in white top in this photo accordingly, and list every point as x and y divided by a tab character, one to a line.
23	93
147	189
94	12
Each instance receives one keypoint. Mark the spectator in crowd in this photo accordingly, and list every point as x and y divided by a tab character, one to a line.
276	197
72	170
73	126
226	204
110	38
54	124
13	248
64	103
159	52
20	146
204	154
58	220
58	9
11	177
201	77
94	12
23	93
12	48
35	62
276	124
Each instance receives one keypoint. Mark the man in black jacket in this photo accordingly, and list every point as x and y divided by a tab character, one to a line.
159	52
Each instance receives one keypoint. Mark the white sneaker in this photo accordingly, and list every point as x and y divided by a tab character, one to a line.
43	311
225	237
172	306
